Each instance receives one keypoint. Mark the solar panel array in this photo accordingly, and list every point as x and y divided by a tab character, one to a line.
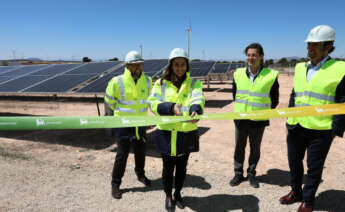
201	69
24	82
50	78
14	73
234	66
221	68
5	68
99	85
82	77
151	68
72	78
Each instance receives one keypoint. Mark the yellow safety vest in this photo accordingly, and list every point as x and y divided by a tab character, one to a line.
256	95
319	90
190	93
127	98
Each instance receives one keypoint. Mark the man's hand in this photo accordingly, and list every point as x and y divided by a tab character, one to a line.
177	110
192	115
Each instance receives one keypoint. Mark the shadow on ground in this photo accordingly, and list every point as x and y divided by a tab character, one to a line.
191	181
330	199
223	202
276	177
16	114
225	90
88	138
217	103
209	89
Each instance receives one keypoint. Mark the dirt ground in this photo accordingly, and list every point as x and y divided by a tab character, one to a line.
70	170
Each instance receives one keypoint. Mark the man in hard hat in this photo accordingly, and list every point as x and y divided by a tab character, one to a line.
255	88
317	82
127	95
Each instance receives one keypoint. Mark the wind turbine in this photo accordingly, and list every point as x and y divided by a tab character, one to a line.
189	30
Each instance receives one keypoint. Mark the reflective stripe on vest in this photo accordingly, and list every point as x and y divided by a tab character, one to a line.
253	93
253	104
163	92
316	96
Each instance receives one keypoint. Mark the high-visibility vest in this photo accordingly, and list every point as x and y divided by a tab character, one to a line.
127	98
256	95
320	90
190	93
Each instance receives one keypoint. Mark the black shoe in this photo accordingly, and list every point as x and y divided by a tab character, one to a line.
169	204
115	192
253	181
145	181
179	201
238	178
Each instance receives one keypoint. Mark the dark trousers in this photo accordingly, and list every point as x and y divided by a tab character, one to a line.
123	148
169	164
255	137
317	144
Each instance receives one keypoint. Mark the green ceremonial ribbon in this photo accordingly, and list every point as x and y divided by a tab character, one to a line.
93	122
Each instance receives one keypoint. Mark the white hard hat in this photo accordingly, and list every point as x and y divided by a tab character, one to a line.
178	52
321	33
133	57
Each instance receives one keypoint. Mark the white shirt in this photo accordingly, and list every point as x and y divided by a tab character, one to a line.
252	76
312	70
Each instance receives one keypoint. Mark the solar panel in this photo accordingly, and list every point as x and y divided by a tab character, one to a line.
21	83
73	78
201	69
23	70
150	68
55	69
154	67
6	68
221	68
62	83
99	85
4	79
94	68
234	66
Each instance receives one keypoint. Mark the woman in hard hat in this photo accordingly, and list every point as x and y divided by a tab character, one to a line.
176	93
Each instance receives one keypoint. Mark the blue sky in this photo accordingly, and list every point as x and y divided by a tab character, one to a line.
60	29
